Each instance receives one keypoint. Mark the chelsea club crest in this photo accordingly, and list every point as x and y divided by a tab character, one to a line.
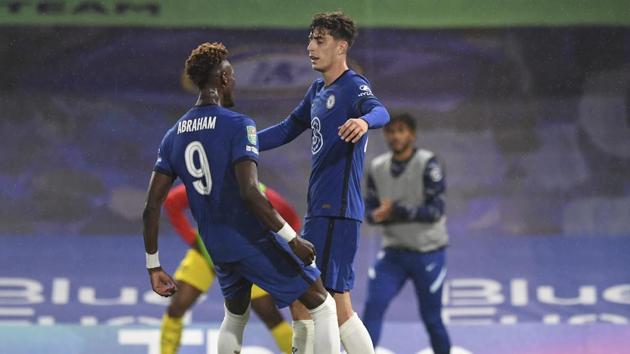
330	102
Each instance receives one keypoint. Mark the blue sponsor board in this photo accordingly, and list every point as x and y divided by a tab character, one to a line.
491	280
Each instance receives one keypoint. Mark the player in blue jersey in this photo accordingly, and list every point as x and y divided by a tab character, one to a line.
339	108
214	151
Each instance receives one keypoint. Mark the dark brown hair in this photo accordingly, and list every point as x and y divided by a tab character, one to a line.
404	118
203	61
338	25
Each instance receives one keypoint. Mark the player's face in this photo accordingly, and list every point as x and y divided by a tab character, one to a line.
229	82
399	137
324	50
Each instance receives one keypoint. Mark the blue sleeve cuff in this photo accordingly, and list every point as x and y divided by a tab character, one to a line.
377	117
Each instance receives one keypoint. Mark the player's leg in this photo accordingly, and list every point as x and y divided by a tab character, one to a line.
336	242
279	272
264	306
236	291
386	279
354	335
428	272
303	329
194	277
322	309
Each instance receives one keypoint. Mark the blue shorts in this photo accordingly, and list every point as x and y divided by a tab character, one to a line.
336	241
275	269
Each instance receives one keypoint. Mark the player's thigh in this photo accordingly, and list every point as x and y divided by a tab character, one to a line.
386	278
279	272
235	287
428	271
336	244
183	299
194	270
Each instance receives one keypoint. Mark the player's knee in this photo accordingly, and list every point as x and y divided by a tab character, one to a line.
433	321
314	296
176	309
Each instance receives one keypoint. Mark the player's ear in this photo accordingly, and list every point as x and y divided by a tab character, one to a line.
224	78
342	48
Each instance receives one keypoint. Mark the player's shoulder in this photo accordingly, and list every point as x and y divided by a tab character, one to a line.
359	84
381	159
236	118
171	132
424	154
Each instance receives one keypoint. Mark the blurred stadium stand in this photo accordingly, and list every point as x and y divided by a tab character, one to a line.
533	124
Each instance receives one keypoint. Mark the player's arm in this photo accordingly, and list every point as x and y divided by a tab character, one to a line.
373	115
290	128
371	200
247	177
159	186
432	208
175	205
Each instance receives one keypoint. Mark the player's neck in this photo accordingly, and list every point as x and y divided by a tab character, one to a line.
207	97
336	70
404	155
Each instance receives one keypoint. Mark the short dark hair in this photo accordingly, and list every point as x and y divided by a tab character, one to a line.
203	60
337	24
404	118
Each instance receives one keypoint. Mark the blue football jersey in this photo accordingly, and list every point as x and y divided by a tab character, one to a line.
201	149
337	166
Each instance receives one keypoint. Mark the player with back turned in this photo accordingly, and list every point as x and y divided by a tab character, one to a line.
196	274
214	151
339	108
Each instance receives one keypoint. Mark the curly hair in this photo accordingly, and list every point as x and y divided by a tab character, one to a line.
203	61
404	118
337	24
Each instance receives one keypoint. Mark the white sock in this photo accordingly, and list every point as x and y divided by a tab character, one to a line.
231	332
326	327
355	337
303	336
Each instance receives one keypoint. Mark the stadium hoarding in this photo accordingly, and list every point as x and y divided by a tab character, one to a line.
295	14
527	280
201	339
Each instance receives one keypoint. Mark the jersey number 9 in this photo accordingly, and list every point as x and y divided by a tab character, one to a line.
203	171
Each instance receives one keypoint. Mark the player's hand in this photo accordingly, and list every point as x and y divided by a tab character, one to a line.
303	249
384	211
161	282
353	129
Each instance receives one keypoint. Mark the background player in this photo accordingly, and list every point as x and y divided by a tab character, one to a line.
214	152
339	108
195	274
404	194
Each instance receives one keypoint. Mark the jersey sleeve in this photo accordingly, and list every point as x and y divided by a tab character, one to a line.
292	126
245	141
175	205
368	106
163	163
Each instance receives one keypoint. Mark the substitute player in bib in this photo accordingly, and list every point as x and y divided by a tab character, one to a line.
214	151
405	190
339	109
195	274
